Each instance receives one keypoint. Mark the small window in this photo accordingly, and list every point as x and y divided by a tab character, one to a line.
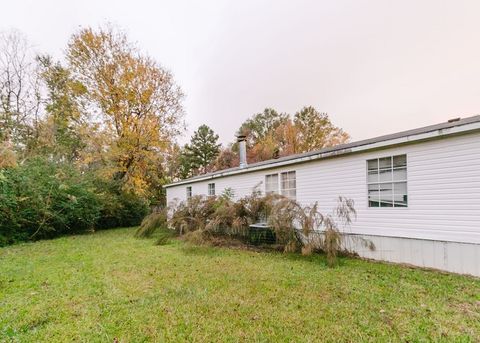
271	184
387	181
289	184
189	192
211	189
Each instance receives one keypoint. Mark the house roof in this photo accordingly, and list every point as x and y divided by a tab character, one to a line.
453	126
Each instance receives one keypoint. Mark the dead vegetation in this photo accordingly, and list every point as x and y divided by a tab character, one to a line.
151	223
296	228
222	221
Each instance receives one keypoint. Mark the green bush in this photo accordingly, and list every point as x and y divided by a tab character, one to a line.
9	225
119	208
42	199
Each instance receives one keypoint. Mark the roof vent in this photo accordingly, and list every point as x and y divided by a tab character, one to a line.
454	120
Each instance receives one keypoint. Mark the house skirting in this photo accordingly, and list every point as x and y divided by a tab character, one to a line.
461	258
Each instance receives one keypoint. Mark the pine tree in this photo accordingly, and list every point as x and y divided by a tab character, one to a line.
202	150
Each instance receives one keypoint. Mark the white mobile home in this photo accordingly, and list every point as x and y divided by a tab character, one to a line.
416	193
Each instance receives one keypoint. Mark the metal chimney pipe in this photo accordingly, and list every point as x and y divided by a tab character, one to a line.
242	144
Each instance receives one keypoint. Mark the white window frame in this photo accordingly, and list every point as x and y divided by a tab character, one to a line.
267	183
189	191
391	182
211	189
288	191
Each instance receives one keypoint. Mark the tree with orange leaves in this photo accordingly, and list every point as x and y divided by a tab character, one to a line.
137	101
271	134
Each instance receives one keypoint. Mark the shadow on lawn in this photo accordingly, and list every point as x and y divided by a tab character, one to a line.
316	258
206	250
198	250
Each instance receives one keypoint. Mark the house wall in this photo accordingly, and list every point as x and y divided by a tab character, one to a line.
443	192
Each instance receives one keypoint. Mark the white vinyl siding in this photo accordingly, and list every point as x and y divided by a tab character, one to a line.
271	184
443	189
289	184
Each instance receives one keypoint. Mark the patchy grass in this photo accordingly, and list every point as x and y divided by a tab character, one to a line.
110	285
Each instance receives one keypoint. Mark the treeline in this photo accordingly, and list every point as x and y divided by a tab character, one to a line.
270	134
83	142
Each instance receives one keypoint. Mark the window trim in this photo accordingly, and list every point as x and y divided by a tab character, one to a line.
211	186
279	184
406	181
288	189
277	191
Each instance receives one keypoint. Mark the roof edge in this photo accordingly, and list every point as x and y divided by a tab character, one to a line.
461	126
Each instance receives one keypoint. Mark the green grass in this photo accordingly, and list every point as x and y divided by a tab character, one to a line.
96	287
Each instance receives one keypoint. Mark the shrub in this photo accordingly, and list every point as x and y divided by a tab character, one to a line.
119	208
7	155
10	228
42	199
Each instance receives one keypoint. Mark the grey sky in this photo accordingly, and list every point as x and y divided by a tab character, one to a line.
375	66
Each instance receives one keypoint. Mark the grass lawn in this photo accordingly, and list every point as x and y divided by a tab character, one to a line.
107	285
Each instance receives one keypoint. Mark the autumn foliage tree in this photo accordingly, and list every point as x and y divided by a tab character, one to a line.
261	125
138	102
272	134
226	158
314	130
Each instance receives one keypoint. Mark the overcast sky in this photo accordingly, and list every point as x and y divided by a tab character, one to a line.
376	67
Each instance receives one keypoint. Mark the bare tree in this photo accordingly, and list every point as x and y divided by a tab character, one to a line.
19	89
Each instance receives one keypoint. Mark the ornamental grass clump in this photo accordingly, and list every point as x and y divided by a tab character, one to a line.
164	236
305	228
310	219
223	216
256	206
155	225
151	223
193	214
219	220
283	219
331	242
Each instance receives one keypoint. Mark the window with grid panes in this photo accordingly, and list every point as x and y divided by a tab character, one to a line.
288	184
211	189
387	181
271	184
